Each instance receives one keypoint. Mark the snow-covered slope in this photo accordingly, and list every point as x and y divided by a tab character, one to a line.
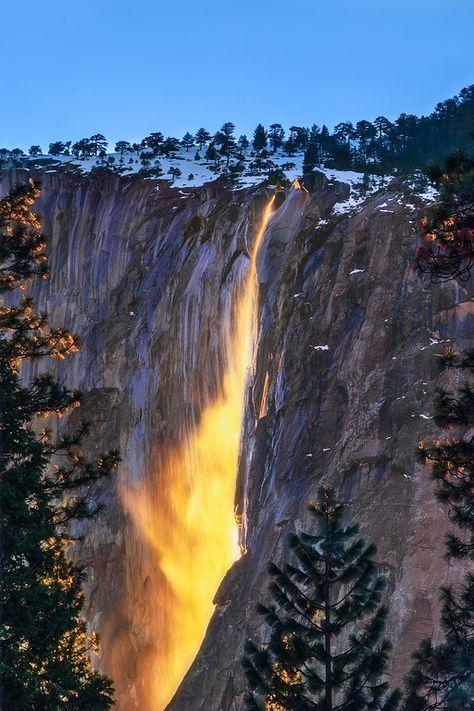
195	173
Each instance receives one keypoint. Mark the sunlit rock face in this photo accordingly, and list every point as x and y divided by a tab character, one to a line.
344	375
342	370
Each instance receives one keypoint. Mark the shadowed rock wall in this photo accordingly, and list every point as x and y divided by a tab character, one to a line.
343	376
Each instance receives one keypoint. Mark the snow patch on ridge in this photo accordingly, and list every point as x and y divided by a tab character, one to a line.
195	173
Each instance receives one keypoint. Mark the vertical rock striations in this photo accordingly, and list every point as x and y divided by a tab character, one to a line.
339	392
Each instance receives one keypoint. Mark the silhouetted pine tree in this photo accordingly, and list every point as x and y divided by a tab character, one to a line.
259	138
187	141
226	141
326	649
154	143
98	143
122	147
443	675
202	137
44	644
243	143
276	136
211	154
311	157
447	231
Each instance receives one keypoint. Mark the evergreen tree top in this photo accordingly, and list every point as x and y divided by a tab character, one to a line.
329	594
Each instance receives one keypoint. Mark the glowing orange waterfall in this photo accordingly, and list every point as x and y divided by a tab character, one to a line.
187	526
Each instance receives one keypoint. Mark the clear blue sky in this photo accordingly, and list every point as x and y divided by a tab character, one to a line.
71	68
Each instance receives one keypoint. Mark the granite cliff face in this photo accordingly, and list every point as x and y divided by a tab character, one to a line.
343	369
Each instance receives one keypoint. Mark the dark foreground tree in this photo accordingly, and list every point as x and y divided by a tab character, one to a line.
326	650
447	232
44	645
443	675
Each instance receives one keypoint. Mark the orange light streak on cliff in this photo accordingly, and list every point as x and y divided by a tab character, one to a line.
185	518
